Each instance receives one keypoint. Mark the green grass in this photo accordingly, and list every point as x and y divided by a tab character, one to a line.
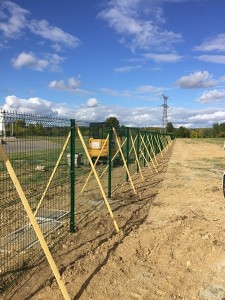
216	141
215	162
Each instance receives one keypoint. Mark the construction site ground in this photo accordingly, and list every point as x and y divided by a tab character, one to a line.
171	243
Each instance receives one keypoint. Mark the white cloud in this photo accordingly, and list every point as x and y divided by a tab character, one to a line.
136	31
29	60
129	116
222	79
211	96
70	85
57	47
55	59
144	92
200	79
218	59
127	69
57	84
49	61
165	58
209	118
115	93
92	102
146	89
34	105
16	21
214	44
73	83
53	33
194	118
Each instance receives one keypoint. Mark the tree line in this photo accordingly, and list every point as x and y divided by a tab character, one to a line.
20	128
217	131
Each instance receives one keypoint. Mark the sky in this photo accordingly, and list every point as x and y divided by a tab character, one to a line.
92	59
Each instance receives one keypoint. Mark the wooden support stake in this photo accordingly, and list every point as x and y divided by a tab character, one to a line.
148	154
114	156
163	143
167	143
91	172
34	223
150	143
136	157
158	144
142	154
124	161
133	145
53	174
97	179
170	140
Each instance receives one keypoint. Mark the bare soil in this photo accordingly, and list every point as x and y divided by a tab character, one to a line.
171	243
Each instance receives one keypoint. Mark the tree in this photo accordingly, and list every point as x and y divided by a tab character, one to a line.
207	132
216	129
222	127
183	132
20	123
39	129
194	133
169	127
113	121
19	127
31	128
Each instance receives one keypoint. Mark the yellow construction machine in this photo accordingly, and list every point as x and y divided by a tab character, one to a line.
98	142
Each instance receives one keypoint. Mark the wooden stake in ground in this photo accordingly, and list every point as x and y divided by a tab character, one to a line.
161	138
148	153
124	161
136	157
34	223
158	144
114	156
97	178
105	142
53	173
153	151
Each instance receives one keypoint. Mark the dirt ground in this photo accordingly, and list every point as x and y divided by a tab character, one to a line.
171	243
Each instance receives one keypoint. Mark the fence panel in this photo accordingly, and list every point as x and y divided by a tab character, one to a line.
33	145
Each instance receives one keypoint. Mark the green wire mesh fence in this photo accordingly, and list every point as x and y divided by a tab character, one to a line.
54	171
33	145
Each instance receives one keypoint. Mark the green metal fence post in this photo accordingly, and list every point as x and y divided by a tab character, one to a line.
138	146
145	151
153	142
127	150
160	142
72	176
110	163
157	146
149	145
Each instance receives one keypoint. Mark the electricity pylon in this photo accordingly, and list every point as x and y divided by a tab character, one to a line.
165	108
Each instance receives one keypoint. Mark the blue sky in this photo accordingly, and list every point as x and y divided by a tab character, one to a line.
89	60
